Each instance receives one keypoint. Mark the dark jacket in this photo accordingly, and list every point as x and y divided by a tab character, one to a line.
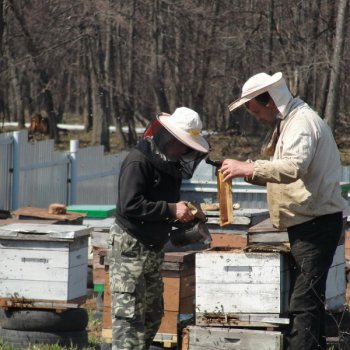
146	185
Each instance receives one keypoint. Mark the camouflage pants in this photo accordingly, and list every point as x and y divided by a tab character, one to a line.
136	291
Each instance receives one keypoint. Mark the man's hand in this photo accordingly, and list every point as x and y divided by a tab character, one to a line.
233	168
183	212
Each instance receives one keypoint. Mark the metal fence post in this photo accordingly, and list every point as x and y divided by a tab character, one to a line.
74	147
16	161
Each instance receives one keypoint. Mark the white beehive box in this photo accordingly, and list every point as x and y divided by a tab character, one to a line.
228	338
231	283
234	282
43	262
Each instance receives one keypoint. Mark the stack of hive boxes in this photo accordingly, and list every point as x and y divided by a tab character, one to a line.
43	274
179	297
100	218
238	291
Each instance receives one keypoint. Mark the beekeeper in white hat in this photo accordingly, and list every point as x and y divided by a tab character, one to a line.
301	169
148	206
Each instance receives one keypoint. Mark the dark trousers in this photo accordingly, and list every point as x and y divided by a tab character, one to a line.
313	245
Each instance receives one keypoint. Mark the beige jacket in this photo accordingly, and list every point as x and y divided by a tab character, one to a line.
302	177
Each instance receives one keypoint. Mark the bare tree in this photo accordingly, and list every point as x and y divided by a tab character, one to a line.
335	76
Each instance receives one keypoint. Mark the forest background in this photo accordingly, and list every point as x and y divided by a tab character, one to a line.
120	62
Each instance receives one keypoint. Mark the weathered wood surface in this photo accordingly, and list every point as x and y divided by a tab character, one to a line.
230	338
42	304
43	213
107	302
242	320
238	282
264	232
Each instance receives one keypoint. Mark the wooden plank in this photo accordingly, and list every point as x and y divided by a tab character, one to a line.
107	303
180	257
225	199
31	212
228	240
166	340
169	322
185	339
107	335
42	304
231	338
264	226
177	268
21	221
179	294
241	320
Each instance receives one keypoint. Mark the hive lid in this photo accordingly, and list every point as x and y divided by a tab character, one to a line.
93	210
43	232
102	224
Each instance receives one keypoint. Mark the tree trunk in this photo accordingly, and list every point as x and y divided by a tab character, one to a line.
159	58
41	73
333	92
100	129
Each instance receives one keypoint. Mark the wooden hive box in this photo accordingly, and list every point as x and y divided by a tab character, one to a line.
233	235
43	262
179	288
179	295
230	338
232	282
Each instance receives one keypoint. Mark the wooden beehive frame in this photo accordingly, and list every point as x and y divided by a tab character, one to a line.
225	199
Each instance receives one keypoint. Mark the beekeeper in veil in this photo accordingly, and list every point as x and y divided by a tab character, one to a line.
148	204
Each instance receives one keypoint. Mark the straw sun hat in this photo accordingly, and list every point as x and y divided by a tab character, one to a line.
186	126
255	86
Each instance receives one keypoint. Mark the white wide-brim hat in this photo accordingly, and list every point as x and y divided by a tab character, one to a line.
255	86
186	126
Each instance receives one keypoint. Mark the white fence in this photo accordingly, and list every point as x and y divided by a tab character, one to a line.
33	174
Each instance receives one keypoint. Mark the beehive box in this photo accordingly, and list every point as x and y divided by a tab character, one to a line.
43	262
178	274
179	295
231	282
233	235
230	338
98	243
254	287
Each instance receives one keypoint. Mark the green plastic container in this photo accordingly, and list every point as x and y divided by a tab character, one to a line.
93	210
99	288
